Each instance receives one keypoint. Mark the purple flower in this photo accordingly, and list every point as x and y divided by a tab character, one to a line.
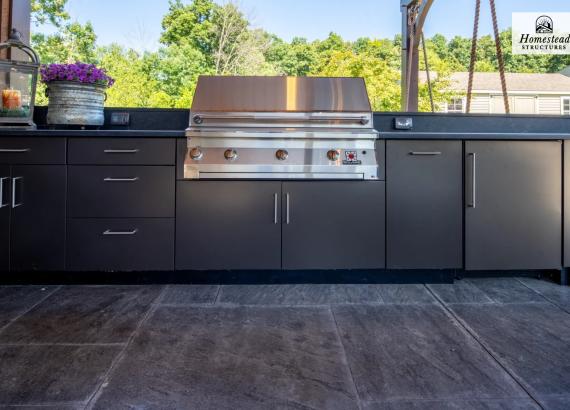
80	72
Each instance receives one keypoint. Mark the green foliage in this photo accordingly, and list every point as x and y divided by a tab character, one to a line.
207	37
52	11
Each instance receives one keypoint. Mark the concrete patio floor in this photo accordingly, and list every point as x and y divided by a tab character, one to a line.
477	344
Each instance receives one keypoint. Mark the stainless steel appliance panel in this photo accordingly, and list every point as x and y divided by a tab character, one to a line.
513	195
280	94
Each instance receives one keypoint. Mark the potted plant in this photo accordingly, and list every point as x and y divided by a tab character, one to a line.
76	93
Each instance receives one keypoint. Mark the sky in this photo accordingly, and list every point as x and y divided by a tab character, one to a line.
137	23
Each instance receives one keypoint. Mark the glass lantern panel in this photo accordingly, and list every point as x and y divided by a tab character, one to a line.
16	90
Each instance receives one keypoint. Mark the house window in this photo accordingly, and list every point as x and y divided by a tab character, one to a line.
456	104
565	105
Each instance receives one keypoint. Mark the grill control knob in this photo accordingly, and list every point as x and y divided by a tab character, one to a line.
196	154
231	154
333	155
282	155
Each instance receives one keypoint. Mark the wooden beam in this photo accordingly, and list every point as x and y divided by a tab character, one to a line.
15	14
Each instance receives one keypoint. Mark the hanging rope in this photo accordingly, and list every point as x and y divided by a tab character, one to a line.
428	73
473	55
500	57
412	16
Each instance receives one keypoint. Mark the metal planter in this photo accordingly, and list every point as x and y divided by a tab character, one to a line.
73	103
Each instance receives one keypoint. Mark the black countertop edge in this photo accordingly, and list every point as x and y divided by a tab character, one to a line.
93	133
407	135
394	135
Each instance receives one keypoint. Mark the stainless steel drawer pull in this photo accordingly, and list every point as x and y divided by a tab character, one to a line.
15	151
473	202
425	153
288	216
15	182
275	208
121	151
2	203
110	232
109	179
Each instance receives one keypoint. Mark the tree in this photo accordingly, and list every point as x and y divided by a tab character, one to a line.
52	11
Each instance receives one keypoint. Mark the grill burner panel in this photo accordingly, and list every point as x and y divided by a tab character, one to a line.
306	128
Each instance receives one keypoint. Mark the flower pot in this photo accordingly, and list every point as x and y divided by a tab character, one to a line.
75	103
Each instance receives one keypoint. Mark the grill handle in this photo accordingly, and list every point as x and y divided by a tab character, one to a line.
200	118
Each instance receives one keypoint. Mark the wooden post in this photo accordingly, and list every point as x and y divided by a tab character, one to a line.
15	14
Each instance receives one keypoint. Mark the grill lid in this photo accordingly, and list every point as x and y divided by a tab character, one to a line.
280	94
244	102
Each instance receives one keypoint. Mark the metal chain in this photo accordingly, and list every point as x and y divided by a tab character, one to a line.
428	74
500	57
473	55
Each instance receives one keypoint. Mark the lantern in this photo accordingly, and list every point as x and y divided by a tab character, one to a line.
18	82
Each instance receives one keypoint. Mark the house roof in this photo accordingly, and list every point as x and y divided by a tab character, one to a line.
534	82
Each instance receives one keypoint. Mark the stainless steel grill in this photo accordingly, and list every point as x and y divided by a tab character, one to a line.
281	128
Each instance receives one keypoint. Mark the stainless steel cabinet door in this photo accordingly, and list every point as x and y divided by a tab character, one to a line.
424	205
5	196
225	225
514	205
333	225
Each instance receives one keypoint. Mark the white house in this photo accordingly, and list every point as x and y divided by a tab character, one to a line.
545	94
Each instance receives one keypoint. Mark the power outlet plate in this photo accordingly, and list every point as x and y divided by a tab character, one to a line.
120	118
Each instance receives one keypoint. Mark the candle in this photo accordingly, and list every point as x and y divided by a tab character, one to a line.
11	99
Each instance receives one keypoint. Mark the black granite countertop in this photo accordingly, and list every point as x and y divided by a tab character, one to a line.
93	133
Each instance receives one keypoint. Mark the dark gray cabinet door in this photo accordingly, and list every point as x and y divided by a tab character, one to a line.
228	225
566	204
333	225
424	205
5	195
514	199
37	232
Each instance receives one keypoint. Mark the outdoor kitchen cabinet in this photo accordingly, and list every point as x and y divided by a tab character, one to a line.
424	204
333	225
513	213
228	225
32	207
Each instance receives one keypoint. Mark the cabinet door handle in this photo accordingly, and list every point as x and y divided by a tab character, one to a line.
121	151
110	232
288	209
473	202
2	183
109	179
425	153
15	182
275	208
14	151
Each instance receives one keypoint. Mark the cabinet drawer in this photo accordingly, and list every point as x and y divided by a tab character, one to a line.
122	151
120	244
121	192
34	151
